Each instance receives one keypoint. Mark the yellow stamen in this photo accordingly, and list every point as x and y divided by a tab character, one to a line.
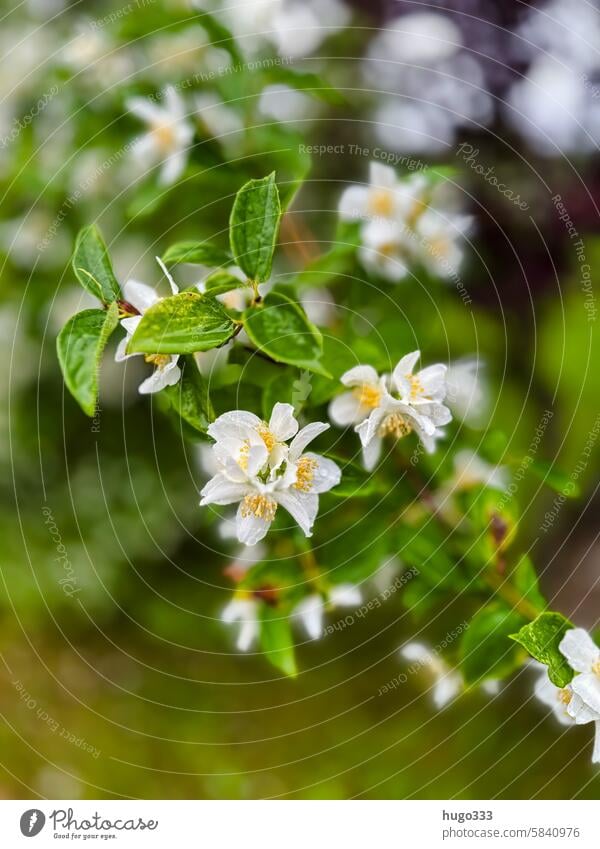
596	668
416	387
243	455
381	202
158	360
164	134
266	436
305	472
259	506
395	425
368	395
565	695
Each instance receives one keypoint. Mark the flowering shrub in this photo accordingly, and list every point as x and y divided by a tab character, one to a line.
239	366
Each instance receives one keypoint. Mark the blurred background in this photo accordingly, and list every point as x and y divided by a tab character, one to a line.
117	677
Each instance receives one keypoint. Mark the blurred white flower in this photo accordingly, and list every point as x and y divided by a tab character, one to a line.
285	104
222	122
169	136
471	470
447	683
244	610
311	610
142	297
319	305
468	394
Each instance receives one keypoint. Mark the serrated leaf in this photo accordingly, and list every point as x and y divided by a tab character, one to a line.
541	638
277	641
182	324
281	329
79	347
92	266
253	227
189	397
197	253
485	647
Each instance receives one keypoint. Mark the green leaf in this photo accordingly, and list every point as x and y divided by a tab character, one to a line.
79	347
92	265
189	397
220	282
322	271
253	227
281	329
555	478
182	324
308	82
525	580
276	640
220	36
485	648
542	638
197	253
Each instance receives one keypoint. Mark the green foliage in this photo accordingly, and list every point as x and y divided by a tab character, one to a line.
182	324
555	478
80	345
541	638
189	398
254	224
280	328
277	640
485	649
526	582
92	266
197	253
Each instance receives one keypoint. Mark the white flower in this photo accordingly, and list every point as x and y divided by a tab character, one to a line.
169	135
437	234
467	394
447	684
311	610
261	471
142	297
386	197
376	413
245	611
470	470
583	656
221	121
567	706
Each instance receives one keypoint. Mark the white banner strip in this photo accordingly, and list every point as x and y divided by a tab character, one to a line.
301	824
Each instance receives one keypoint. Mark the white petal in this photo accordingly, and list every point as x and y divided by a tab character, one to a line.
121	352
236	423
433	381
579	649
360	374
403	371
173	167
302	506
283	424
131	324
354	203
446	689
371	453
310	612
345	595
304	437
327	474
221	490
587	687
491	687
382	176
346	409
139	295
229	453
549	694
418	653
367	430
249	631
161	378
144	109
174	103
578	710
250	528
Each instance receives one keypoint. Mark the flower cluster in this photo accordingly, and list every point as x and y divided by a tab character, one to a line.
393	405
402	224
259	468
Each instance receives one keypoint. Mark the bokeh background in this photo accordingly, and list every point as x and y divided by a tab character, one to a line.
122	681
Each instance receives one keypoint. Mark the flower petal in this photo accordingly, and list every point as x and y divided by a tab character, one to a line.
353	203
371	454
548	693
358	375
304	437
302	506
173	167
367	430
310	612
161	377
283	424
346	409
236	423
587	687
221	490
446	689
326	475
250	528
140	295
345	595
596	751
579	711
145	110
579	649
